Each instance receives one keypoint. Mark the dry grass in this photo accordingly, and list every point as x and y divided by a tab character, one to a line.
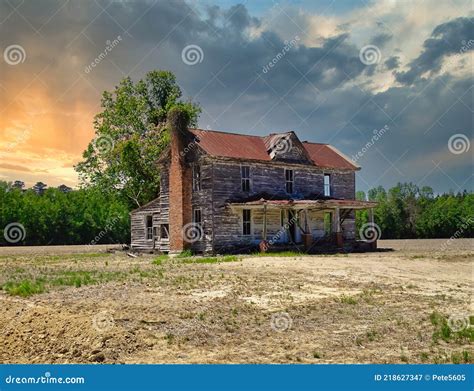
392	307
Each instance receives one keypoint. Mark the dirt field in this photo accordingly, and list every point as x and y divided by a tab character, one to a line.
409	305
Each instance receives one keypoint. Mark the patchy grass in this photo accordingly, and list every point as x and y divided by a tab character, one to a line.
444	332
193	259
279	254
23	288
227	258
185	254
159	260
346	299
26	287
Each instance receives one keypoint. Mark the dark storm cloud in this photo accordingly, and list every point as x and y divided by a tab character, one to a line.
446	39
381	39
392	62
320	91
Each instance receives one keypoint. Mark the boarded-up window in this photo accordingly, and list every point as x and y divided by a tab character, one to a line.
289	177
245	174
149	227
246	222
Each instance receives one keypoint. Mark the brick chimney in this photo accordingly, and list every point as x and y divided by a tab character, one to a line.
180	180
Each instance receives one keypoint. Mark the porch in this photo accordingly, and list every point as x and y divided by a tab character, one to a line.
307	225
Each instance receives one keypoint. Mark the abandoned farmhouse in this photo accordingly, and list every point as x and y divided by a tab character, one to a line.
225	192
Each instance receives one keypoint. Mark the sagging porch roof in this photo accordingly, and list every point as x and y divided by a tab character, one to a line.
305	204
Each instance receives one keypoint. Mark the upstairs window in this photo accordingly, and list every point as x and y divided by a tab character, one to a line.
245	175
149	228
246	222
289	178
196	177
327	185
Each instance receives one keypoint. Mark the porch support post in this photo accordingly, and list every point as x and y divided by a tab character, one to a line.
337	221
307	235
264	222
263	243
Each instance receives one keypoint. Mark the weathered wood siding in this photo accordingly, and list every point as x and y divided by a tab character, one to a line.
138	225
270	178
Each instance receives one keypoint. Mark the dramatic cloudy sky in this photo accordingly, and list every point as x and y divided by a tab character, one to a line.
416	79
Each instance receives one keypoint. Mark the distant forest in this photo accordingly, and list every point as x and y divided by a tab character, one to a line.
90	216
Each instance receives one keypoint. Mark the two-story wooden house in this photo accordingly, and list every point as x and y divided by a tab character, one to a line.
227	192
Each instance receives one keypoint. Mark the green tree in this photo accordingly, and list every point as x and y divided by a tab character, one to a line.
130	135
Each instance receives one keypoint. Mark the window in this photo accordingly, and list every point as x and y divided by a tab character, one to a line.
246	224
197	216
289	176
327	185
196	177
149	227
164	231
245	175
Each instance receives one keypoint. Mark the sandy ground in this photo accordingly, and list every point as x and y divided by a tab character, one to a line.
357	308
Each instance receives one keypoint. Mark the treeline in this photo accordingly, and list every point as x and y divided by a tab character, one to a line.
407	211
85	216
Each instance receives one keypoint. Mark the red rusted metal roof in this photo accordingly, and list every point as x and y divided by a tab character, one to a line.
244	146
